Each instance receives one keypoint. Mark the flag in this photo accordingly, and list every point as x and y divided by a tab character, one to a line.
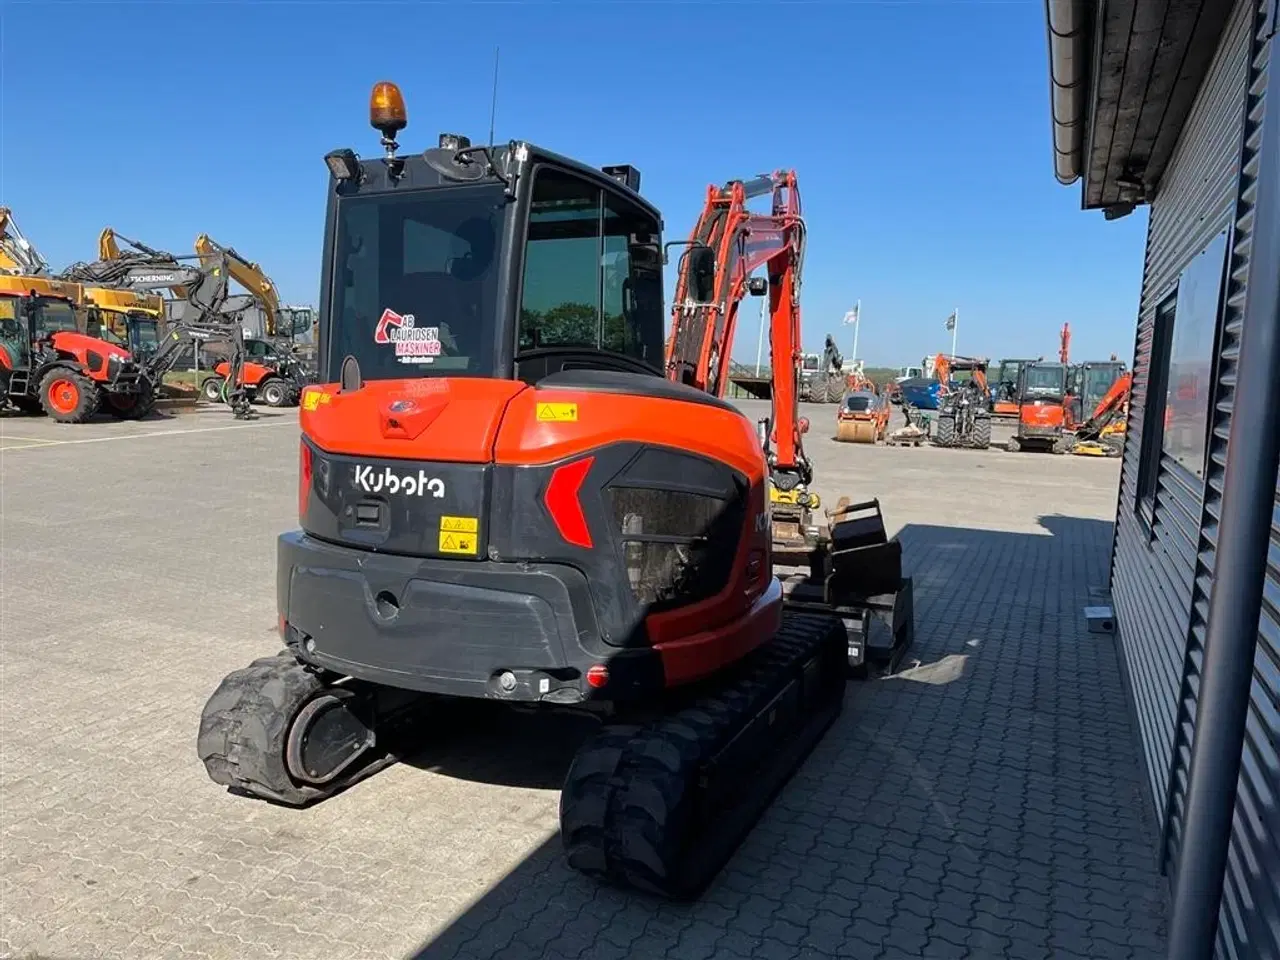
951	321
852	315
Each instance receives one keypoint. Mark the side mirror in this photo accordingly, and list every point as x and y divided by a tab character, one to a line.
702	273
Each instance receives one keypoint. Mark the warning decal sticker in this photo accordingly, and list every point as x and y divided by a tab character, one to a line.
558	412
413	344
458	534
457	542
459	524
312	399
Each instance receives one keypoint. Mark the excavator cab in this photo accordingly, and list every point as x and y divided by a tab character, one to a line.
502	263
1042	408
1004	387
1090	383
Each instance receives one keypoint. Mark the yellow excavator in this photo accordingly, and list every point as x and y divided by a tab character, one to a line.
246	273
271	371
18	256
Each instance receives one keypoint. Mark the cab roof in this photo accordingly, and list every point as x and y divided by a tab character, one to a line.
519	157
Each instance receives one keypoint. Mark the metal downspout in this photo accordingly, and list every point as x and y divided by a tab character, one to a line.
1068	78
1248	497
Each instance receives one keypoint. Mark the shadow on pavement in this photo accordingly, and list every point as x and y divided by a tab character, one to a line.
984	802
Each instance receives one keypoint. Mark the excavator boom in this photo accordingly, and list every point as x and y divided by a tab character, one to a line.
17	254
728	243
1111	406
944	366
246	273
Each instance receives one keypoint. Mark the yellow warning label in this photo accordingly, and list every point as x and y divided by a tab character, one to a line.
459	524
457	542
312	399
558	412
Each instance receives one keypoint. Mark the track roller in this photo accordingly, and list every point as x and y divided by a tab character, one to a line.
277	731
661	806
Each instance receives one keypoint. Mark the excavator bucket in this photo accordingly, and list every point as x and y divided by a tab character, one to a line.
855	572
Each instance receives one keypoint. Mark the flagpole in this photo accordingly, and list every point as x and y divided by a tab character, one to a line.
955	328
857	325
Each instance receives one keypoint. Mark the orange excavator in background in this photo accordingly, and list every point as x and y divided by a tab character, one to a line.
1102	433
503	496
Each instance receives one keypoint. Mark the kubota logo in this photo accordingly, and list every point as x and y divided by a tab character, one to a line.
390	482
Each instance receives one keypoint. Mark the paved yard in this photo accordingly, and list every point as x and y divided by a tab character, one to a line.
985	803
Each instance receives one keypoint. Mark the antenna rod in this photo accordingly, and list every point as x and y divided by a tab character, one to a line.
493	106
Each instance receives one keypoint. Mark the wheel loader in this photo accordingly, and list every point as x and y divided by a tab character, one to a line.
503	496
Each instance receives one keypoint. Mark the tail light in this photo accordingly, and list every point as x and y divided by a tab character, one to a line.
678	548
304	478
565	506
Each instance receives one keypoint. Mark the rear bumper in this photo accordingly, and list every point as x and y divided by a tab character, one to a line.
452	627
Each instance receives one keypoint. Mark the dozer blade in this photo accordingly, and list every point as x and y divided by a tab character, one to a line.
1090	448
856	574
660	807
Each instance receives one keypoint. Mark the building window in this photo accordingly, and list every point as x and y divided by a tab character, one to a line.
592	272
1153	413
1191	358
1175	418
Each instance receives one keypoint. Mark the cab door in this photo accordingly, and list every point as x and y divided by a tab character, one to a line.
15	339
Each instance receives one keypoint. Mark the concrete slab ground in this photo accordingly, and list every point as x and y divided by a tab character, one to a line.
984	803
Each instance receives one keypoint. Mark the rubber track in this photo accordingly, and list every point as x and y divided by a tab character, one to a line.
246	721
635	796
244	725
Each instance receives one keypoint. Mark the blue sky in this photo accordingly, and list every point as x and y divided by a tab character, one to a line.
919	132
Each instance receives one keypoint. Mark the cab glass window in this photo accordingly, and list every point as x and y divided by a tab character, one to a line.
592	272
415	282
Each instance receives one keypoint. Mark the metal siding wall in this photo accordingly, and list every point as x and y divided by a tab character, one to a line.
1154	574
1249	921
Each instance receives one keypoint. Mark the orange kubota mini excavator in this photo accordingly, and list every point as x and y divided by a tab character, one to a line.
1102	432
501	496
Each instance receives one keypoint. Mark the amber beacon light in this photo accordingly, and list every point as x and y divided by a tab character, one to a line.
386	109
